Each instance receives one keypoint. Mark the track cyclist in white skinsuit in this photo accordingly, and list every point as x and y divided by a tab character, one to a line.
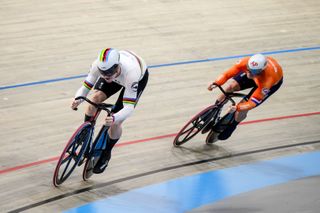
112	71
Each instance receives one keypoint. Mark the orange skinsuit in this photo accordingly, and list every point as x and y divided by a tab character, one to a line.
264	81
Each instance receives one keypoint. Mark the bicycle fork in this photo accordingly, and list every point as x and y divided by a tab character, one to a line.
88	147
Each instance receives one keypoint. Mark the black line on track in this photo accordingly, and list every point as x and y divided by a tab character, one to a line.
97	186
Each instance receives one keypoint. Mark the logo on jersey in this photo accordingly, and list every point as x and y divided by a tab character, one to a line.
100	85
265	91
134	86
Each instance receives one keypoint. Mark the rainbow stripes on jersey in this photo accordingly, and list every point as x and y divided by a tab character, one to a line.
104	54
87	85
129	101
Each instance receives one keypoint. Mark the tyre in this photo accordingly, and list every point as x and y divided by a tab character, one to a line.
72	153
212	137
91	162
195	125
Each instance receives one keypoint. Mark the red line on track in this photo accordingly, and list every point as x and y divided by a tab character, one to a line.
28	165
281	118
152	139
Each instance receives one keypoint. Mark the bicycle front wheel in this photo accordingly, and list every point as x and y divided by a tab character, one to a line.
72	153
195	125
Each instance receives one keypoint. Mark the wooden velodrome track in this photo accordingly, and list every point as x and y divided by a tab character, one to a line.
58	40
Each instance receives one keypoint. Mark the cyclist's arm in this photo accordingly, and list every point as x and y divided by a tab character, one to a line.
255	99
129	102
248	105
124	113
260	93
89	82
223	78
241	65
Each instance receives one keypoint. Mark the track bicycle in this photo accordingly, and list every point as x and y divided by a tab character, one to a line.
213	118
80	148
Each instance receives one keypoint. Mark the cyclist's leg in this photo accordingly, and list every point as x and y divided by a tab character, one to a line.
240	116
272	90
106	154
115	131
213	135
112	137
141	86
237	83
232	86
98	97
102	91
119	104
242	82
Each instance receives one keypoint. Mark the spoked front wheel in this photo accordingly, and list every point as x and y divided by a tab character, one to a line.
72	153
195	125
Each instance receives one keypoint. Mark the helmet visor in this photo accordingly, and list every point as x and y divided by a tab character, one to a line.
109	72
254	71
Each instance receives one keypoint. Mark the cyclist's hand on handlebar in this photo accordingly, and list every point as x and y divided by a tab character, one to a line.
211	86
109	120
75	104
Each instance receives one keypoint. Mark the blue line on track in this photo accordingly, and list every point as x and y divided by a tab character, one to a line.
164	65
187	193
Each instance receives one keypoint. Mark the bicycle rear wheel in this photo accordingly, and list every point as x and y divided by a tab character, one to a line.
195	125
72	153
91	161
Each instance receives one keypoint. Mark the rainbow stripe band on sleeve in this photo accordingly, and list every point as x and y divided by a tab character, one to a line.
129	101
87	85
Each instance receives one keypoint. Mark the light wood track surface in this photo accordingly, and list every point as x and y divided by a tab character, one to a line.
45	40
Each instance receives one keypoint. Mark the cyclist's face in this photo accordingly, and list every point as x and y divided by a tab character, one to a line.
250	75
110	78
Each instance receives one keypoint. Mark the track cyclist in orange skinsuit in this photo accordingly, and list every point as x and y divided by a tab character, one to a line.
262	74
